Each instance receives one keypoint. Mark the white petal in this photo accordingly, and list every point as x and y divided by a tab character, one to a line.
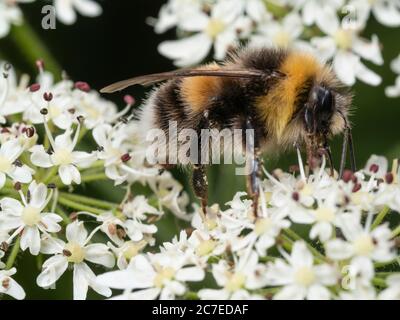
327	20
88	8
369	50
124	279
99	253
31	239
368	76
53	269
345	65
80	282
51	220
83	159
318	292
40	157
300	255
213	294
65	172
11	149
76	232
187	51
387	13
291	292
38	194
338	249
65	12
190	274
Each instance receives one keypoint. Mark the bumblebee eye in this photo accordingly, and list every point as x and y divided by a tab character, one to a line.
324	100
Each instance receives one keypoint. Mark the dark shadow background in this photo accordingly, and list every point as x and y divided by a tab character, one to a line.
120	44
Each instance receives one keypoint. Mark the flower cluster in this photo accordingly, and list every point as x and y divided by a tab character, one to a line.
65	10
333	30
45	154
341	254
316	236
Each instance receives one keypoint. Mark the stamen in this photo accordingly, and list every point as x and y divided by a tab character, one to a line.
92	234
48	133
76	136
275	181
301	165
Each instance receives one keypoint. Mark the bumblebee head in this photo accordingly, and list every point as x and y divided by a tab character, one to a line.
318	111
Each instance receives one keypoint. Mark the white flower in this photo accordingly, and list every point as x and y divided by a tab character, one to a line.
216	29
300	277
9	153
175	11
170	194
9	14
263	232
387	12
127	251
65	9
151	276
28	217
319	12
392	292
394	91
63	156
246	274
8	285
280	34
75	251
360	241
346	48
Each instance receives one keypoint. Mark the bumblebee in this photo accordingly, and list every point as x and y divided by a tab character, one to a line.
288	97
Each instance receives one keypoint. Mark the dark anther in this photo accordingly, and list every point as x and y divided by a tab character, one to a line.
374	168
51	186
295	196
389	177
83	86
17	186
17	163
356	187
34	87
126	157
48	96
44	111
67	253
100	148
30	132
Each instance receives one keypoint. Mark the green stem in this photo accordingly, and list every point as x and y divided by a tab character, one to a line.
318	255
379	218
89	201
77	206
50	174
94	177
387	263
60	211
13	255
396	232
379	282
32	48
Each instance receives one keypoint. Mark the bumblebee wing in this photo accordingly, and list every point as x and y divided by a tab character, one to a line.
151	79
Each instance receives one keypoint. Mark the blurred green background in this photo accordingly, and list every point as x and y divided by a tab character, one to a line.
119	44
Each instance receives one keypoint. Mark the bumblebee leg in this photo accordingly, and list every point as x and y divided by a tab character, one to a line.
200	185
199	174
351	151
347	143
254	156
344	152
253	182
